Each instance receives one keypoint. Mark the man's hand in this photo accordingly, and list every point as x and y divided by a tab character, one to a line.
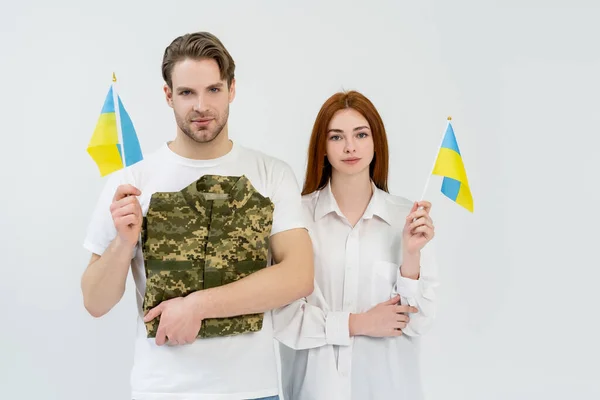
383	320
180	321
127	214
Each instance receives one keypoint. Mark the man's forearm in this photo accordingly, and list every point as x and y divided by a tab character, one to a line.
103	282
267	289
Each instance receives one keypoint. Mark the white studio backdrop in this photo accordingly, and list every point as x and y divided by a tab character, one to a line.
517	314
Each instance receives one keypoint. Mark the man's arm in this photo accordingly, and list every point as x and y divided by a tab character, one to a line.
289	279
103	282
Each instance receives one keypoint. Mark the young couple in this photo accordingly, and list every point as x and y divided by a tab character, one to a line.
226	253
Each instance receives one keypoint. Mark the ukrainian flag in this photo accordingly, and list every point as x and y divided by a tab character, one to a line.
114	143
449	164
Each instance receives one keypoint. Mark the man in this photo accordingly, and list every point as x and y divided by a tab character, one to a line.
199	222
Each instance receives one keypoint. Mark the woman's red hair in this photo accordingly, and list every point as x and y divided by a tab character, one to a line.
318	170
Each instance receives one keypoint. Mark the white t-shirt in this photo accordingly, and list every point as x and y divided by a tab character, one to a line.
232	367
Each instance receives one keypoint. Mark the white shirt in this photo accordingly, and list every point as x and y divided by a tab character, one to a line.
233	367
355	269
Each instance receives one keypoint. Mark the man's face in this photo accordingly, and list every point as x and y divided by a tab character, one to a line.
199	98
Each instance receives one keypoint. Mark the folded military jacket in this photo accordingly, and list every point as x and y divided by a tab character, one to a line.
213	232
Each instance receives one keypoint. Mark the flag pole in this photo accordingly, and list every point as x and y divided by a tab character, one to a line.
435	159
118	117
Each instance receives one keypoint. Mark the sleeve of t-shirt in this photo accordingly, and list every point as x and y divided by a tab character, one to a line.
287	200
101	229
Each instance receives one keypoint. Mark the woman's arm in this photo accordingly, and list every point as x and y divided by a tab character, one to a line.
417	276
418	292
301	325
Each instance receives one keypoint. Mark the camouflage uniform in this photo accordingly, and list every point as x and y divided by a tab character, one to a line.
213	232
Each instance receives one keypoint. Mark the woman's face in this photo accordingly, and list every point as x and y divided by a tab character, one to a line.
350	147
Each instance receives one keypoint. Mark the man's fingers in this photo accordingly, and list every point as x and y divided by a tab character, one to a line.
126	190
161	336
127	220
125	201
132	209
153	313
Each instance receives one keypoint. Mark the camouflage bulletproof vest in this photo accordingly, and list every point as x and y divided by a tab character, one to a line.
213	232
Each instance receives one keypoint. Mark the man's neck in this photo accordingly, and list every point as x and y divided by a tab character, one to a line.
188	148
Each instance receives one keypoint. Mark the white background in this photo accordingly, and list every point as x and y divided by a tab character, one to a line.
518	316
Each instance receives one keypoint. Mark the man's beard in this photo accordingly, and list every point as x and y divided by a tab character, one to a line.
204	134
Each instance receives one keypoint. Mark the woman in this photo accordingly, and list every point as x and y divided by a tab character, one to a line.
356	336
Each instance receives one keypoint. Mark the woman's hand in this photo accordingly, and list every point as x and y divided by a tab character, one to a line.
383	320
418	229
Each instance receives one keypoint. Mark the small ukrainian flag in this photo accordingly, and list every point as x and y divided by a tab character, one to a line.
449	164
114	143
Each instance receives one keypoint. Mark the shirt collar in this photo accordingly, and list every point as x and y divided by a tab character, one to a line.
377	205
230	192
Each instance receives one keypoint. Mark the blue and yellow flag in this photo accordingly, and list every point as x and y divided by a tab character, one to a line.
449	164
114	143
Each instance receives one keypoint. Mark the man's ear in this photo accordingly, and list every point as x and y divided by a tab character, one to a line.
232	90
168	95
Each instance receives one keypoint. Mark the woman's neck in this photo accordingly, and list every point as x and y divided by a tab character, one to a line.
352	194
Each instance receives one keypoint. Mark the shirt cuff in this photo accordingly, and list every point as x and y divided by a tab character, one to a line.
337	329
407	287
